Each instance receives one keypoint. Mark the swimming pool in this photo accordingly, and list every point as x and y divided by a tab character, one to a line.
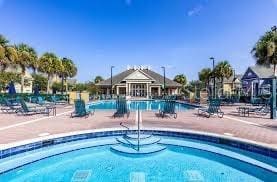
146	105
183	159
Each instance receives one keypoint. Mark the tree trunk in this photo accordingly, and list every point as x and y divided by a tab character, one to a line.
48	84
222	84
22	82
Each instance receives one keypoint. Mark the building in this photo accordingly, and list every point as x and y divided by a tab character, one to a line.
28	81
139	82
256	80
232	85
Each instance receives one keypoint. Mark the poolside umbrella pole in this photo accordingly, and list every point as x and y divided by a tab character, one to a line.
11	89
36	90
273	99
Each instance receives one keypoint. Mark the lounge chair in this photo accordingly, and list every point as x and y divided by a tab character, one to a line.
168	109
258	110
121	108
41	101
9	107
30	110
56	100
212	109
80	109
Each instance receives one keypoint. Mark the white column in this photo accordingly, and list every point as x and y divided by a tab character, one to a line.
147	90
117	90
126	89
159	91
129	90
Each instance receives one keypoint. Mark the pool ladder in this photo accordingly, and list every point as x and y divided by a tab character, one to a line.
135	142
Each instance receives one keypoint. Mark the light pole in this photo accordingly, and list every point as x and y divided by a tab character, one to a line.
273	89
212	58
111	92
164	79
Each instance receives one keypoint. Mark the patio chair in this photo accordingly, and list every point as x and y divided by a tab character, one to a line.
9	107
212	109
80	109
41	101
168	109
56	100
121	108
30	110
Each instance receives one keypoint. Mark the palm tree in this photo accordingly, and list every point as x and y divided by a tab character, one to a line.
204	76
49	64
181	79
69	70
223	70
98	79
27	58
8	54
265	50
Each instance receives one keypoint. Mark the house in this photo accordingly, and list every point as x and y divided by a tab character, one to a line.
139	81
256	80
28	81
232	85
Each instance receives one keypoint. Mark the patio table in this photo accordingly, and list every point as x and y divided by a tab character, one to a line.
244	110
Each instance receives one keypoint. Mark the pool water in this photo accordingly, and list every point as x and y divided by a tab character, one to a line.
174	164
149	105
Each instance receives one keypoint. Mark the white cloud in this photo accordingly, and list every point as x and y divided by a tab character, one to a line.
195	11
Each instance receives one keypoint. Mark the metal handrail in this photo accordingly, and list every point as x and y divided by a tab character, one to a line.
121	124
138	128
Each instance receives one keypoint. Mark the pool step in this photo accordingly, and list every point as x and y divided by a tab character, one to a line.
143	149
135	136
134	141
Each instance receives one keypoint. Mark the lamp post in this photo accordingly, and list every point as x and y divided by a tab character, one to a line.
164	79
212	58
273	89
111	92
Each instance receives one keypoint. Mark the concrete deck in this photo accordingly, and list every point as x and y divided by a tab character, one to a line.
14	128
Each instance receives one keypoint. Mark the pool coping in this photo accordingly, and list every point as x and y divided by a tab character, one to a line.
10	149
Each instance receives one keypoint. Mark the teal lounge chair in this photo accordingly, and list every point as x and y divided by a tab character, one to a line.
9	107
121	108
56	100
30	110
168	109
41	101
213	108
80	109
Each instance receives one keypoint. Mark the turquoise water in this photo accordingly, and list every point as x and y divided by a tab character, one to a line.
173	164
150	105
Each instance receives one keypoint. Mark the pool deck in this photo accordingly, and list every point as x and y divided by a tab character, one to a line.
14	128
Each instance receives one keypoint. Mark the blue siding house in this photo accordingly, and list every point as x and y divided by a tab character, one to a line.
256	80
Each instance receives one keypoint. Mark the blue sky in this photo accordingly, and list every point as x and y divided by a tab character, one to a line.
180	34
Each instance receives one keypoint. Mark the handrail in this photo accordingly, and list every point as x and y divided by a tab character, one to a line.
138	128
121	124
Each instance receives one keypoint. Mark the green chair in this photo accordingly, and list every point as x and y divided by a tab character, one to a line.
30	110
168	109
80	109
9	107
121	108
56	100
213	108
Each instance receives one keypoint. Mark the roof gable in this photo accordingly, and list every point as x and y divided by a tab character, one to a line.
249	74
138	75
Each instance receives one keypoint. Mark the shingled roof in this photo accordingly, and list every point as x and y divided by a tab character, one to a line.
158	79
263	71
